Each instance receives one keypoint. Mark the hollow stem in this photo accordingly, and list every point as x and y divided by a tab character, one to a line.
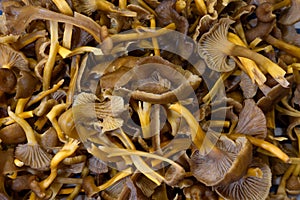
198	134
31	139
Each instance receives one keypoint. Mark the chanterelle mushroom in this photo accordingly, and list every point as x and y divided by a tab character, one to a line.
12	58
215	49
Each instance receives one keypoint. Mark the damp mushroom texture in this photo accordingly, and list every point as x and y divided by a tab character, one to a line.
149	99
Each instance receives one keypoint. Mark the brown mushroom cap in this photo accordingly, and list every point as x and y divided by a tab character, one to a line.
252	121
8	80
293	185
224	164
26	85
12	134
249	187
292	15
174	175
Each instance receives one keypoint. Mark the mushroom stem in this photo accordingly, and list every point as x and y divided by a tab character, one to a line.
63	7
123	4
139	36
281	4
287	174
120	175
272	68
54	112
148	8
26	14
264	145
21	105
68	149
31	140
52	54
74	79
77	188
198	135
201	7
8	120
284	46
154	40
144	116
43	94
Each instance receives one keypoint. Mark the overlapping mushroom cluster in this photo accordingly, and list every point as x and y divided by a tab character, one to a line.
149	99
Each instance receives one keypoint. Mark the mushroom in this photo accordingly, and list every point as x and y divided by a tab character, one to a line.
18	18
293	185
291	15
67	124
215	48
8	80
254	185
12	134
167	82
31	153
12	58
174	174
26	85
252	120
90	6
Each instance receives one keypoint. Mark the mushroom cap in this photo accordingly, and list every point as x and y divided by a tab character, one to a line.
293	185
33	156
252	121
13	58
26	85
249	187
213	47
8	80
174	175
227	162
291	16
12	134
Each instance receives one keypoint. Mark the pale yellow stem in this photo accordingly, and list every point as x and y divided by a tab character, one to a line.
21	105
154	40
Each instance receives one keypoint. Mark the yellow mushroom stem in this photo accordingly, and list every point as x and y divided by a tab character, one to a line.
29	38
180	5
201	7
198	135
54	112
118	176
144	116
74	160
281	4
284	111
284	46
148	8
249	66
67	150
52	54
65	53
21	105
31	139
67	38
63	7
7	39
40	123
43	94
218	84
264	145
154	40
287	174
8	120
123	4
77	188
139	36
74	78
256	172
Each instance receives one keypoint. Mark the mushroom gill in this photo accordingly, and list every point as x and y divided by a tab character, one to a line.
215	49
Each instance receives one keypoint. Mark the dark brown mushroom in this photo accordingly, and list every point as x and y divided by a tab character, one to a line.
26	85
252	120
225	163
8	80
254	185
12	134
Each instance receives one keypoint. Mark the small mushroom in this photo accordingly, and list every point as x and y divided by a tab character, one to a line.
174	174
254	185
67	124
12	134
215	49
31	153
12	58
8	80
252	120
26	85
293	185
226	163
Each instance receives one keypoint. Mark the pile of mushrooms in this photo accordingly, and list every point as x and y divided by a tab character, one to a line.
96	103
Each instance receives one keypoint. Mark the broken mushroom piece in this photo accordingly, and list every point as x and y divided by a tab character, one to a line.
215	49
8	80
31	153
226	163
254	185
11	58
